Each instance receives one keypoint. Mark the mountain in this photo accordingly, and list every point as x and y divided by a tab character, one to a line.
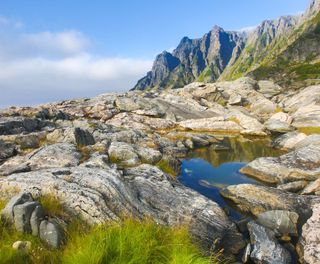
285	50
203	59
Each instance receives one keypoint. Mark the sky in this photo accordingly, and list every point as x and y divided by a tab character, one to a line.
52	50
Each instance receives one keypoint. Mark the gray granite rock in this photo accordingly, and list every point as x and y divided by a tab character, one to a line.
20	198
51	233
22	214
266	249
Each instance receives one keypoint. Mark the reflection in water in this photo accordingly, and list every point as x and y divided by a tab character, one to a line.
240	150
209	170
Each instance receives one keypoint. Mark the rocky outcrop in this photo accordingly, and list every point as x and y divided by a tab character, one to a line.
311	238
97	195
301	164
203	59
266	249
244	196
29	217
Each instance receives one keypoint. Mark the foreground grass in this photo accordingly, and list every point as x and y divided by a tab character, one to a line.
128	242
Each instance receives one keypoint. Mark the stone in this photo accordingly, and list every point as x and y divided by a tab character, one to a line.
244	196
211	125
52	234
312	187
246	254
309	140
7	150
37	216
280	222
289	140
300	164
310	241
83	137
235	99
99	195
278	126
294	187
123	153
17	125
22	246
269	88
148	155
22	214
20	198
56	155
266	249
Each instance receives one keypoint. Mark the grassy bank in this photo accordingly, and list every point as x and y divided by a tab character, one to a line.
128	242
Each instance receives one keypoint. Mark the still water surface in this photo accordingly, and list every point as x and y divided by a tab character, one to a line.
208	170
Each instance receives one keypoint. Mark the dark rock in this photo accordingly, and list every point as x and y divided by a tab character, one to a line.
21	198
17	125
83	137
7	150
22	214
37	216
52	234
294	187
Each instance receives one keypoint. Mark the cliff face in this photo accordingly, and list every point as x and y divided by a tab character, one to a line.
193	59
285	50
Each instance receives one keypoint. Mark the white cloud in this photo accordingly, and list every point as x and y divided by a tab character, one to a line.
50	66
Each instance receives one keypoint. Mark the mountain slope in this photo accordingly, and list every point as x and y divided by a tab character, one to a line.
286	50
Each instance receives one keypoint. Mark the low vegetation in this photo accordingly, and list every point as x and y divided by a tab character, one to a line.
129	241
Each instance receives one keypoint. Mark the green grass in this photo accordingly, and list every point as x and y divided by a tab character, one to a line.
133	242
127	242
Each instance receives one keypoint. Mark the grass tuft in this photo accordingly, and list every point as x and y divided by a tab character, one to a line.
127	242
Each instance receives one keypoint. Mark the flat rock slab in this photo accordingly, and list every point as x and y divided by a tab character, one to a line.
256	199
301	164
97	195
52	156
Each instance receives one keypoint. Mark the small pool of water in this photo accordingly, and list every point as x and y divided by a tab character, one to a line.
208	170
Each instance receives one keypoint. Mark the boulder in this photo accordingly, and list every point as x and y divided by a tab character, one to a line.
20	198
294	187
52	156
279	123
280	222
266	249
37	216
309	140
244	196
269	88
214	124
312	187
83	137
22	214
123	153
7	150
148	155
310	241
17	125
288	141
51	233
301	164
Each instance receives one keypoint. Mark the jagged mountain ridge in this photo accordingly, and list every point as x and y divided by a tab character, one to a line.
228	55
203	58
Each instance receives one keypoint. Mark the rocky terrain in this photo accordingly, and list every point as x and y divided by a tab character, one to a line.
285	50
116	155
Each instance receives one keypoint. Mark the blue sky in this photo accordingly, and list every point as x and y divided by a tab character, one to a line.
75	48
